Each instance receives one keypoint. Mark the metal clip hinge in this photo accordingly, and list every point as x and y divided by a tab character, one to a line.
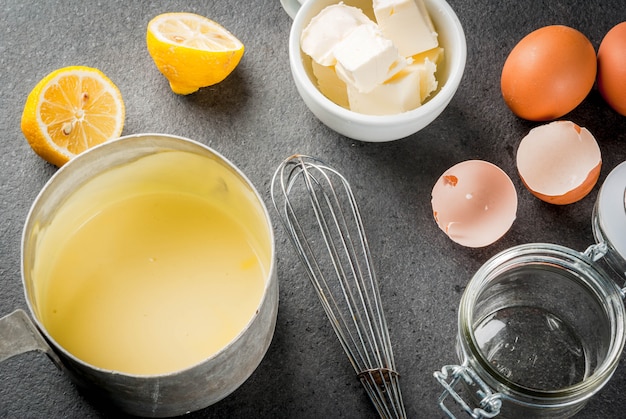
490	403
597	251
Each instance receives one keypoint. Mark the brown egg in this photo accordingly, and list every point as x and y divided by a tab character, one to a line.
559	162
548	73
612	68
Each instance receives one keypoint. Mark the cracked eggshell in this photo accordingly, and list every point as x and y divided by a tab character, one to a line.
559	162
474	203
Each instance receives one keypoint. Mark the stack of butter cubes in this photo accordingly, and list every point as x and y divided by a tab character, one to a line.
375	68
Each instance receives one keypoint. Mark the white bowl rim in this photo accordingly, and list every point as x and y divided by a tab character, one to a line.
438	101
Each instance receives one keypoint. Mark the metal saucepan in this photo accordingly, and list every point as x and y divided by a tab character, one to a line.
194	386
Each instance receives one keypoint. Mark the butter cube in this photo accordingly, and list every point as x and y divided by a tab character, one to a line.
435	55
366	59
399	94
330	84
428	81
328	28
407	24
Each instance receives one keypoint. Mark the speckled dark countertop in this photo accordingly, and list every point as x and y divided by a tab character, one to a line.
256	118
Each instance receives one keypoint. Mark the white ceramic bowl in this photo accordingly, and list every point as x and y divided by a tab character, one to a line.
379	128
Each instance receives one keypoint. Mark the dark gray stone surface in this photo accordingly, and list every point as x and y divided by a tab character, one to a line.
256	118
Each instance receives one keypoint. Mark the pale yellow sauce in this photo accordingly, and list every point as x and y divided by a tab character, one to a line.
158	278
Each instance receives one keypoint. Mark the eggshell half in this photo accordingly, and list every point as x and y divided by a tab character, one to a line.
474	203
612	68
559	162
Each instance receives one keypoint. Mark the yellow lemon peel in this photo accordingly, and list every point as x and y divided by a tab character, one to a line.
192	51
70	110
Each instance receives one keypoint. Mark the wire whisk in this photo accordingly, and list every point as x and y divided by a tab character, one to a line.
318	209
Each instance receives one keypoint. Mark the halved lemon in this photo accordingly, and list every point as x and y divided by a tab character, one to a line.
70	110
192	51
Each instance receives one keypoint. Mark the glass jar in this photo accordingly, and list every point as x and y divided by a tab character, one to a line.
541	326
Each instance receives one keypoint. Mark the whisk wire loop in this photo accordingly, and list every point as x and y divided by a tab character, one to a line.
355	272
329	238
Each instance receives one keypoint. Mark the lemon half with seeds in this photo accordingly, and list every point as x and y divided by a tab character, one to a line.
70	110
192	51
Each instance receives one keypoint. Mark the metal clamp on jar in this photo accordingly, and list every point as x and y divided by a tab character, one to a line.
541	326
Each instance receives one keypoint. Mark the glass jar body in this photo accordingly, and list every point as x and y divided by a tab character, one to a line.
543	327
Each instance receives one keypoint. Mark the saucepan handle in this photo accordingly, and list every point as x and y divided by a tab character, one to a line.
18	335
